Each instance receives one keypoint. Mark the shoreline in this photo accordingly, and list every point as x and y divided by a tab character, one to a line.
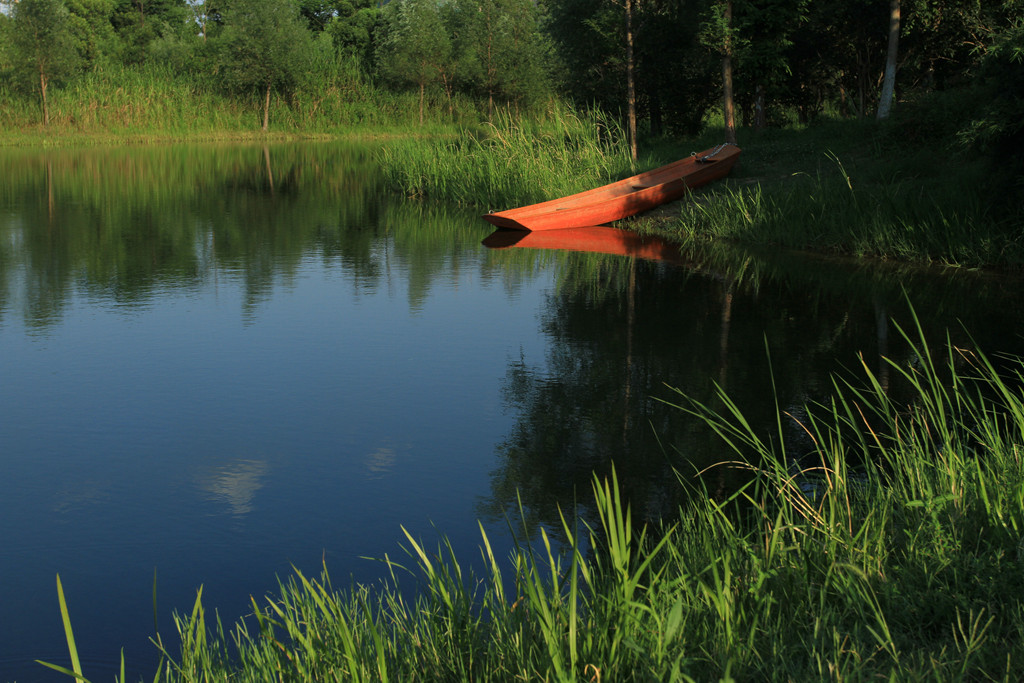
813	189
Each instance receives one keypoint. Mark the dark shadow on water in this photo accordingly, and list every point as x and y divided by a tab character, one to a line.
632	317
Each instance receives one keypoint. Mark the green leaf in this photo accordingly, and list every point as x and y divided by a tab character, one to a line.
68	633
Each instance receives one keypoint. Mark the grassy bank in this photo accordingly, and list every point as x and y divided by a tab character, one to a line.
866	189
839	186
511	161
891	548
152	103
902	190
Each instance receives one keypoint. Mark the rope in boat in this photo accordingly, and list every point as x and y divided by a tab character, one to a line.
707	157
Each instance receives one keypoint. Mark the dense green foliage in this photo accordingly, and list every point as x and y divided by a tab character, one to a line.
889	550
42	46
417	49
265	47
303	53
792	59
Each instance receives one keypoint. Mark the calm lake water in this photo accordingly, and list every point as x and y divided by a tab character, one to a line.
220	362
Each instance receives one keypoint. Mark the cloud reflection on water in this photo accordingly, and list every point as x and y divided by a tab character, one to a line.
235	485
380	462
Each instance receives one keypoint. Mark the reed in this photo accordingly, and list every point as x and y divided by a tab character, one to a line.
510	160
891	549
159	102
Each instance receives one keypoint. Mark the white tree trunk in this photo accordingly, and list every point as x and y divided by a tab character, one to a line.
889	82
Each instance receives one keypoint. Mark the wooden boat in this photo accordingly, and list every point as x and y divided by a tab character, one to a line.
624	197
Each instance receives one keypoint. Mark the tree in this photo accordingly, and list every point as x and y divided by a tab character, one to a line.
719	34
91	30
806	70
416	48
265	47
588	40
943	40
728	107
353	29
597	42
767	60
140	22
317	13
6	39
43	46
889	81
841	47
630	81
997	128
499	47
207	16
674	72
350	24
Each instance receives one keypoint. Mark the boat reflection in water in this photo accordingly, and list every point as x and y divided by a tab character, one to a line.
595	239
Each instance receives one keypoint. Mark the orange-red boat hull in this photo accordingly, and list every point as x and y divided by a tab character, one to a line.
622	198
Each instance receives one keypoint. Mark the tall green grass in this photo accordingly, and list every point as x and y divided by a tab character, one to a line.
511	160
891	548
877	210
154	102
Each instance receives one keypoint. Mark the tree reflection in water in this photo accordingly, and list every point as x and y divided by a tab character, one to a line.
626	323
